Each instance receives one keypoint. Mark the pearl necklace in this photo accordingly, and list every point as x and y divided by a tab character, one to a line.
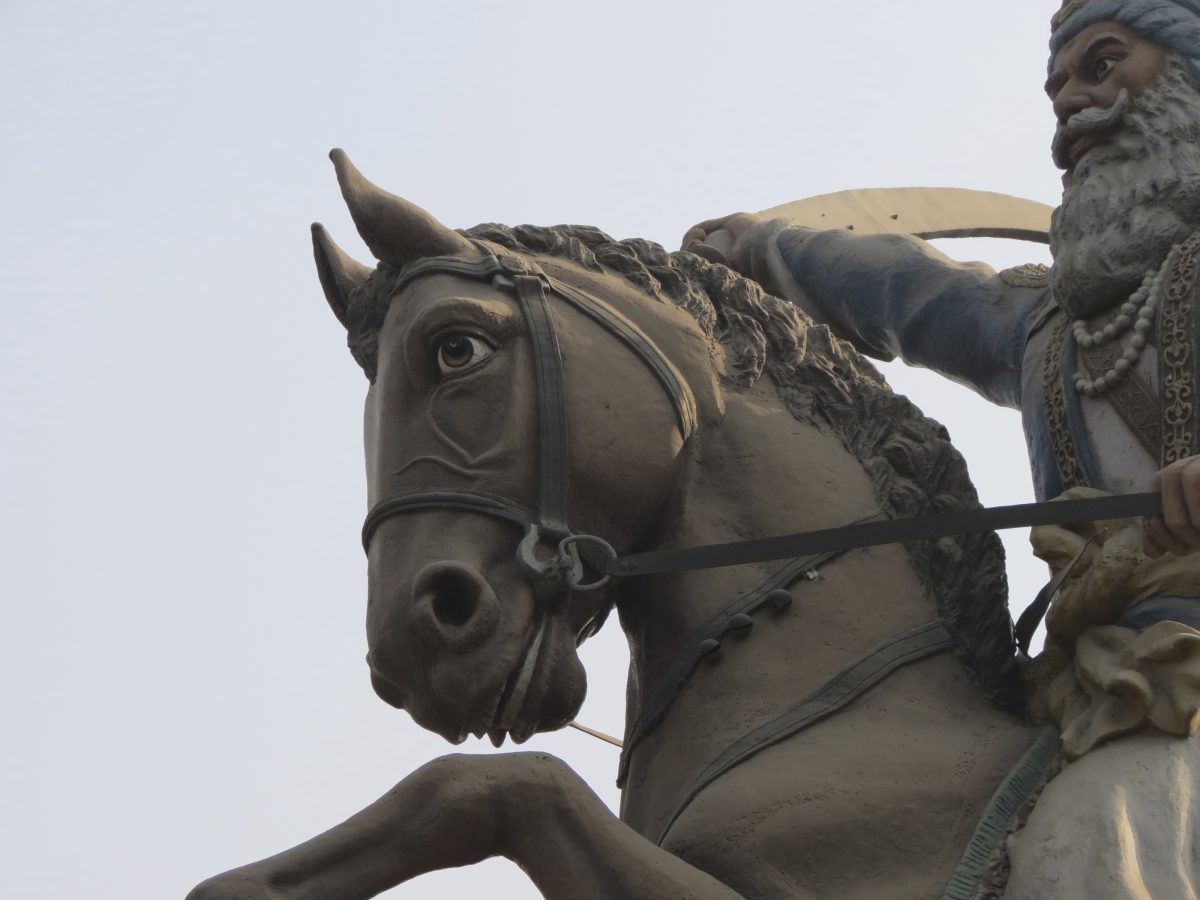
1136	312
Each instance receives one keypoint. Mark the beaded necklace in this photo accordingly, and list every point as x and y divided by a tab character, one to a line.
1137	313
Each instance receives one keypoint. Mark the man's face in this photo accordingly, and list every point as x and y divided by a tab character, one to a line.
1128	138
1090	72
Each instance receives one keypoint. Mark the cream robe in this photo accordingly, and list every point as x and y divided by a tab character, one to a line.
1119	821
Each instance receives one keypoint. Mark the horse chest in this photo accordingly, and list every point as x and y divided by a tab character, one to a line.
876	802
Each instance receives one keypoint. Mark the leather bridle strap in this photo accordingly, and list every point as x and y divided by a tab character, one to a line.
554	468
893	531
636	340
463	501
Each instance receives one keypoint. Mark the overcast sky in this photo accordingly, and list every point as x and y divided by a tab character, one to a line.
182	586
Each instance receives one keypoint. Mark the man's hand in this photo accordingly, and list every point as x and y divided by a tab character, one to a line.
726	236
1178	531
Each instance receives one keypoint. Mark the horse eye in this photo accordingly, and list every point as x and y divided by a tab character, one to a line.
459	351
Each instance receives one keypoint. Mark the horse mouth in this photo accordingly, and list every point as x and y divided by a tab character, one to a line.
507	719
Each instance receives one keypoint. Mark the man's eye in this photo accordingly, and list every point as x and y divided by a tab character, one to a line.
1103	66
458	351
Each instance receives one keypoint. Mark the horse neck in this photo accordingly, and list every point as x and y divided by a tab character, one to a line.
761	473
758	473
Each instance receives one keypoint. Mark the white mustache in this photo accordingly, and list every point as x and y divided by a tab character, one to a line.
1089	121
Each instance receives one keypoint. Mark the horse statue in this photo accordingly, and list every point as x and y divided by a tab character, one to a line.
542	400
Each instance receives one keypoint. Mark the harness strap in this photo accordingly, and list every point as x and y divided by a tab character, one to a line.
699	645
553	465
463	500
849	684
636	340
892	531
484	268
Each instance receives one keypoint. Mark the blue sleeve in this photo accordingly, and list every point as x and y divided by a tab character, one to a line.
896	296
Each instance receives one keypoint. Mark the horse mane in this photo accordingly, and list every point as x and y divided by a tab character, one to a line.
824	382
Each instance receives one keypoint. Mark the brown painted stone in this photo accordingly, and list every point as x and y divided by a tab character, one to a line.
794	432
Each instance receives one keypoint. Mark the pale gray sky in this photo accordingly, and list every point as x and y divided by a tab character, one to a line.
183	590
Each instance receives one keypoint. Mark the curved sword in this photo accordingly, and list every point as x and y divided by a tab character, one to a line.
924	212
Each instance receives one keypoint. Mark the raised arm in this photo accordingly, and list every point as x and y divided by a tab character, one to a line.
889	295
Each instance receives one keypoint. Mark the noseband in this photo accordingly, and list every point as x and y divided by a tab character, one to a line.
548	523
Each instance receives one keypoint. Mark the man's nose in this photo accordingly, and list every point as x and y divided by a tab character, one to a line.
1073	98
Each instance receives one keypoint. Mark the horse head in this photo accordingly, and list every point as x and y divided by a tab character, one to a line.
518	430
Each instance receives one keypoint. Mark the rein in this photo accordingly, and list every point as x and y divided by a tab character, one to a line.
891	531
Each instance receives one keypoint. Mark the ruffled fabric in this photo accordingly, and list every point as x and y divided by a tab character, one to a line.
1124	680
1098	680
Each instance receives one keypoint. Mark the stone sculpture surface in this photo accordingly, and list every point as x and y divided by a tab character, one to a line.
1100	354
854	725
842	726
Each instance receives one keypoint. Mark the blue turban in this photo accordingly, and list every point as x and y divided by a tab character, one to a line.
1172	24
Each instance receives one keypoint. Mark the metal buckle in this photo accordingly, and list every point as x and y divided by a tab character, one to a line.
568	545
555	569
566	566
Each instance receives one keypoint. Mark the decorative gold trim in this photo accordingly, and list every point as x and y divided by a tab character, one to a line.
1133	399
1176	356
1069	470
1030	275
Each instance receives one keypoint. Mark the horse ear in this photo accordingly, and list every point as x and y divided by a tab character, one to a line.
340	274
397	231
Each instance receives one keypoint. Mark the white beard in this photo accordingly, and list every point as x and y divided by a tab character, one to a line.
1130	200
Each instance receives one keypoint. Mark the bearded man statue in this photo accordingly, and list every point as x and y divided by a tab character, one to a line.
1101	353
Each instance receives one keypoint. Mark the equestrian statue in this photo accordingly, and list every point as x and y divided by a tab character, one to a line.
546	406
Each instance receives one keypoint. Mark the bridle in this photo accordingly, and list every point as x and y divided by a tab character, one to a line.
548	523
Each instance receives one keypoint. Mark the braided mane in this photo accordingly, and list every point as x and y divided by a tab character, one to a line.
823	382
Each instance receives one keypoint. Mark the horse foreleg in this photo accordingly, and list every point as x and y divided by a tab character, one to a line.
436	818
574	848
460	810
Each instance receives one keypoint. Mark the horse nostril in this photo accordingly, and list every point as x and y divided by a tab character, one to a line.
456	602
455	598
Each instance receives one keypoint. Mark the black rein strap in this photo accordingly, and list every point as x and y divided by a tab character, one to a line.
893	531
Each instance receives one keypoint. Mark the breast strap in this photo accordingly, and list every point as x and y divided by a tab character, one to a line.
770	592
849	684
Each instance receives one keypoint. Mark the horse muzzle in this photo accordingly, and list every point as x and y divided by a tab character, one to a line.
453	606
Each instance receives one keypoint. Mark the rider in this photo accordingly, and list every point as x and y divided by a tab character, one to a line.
1100	352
